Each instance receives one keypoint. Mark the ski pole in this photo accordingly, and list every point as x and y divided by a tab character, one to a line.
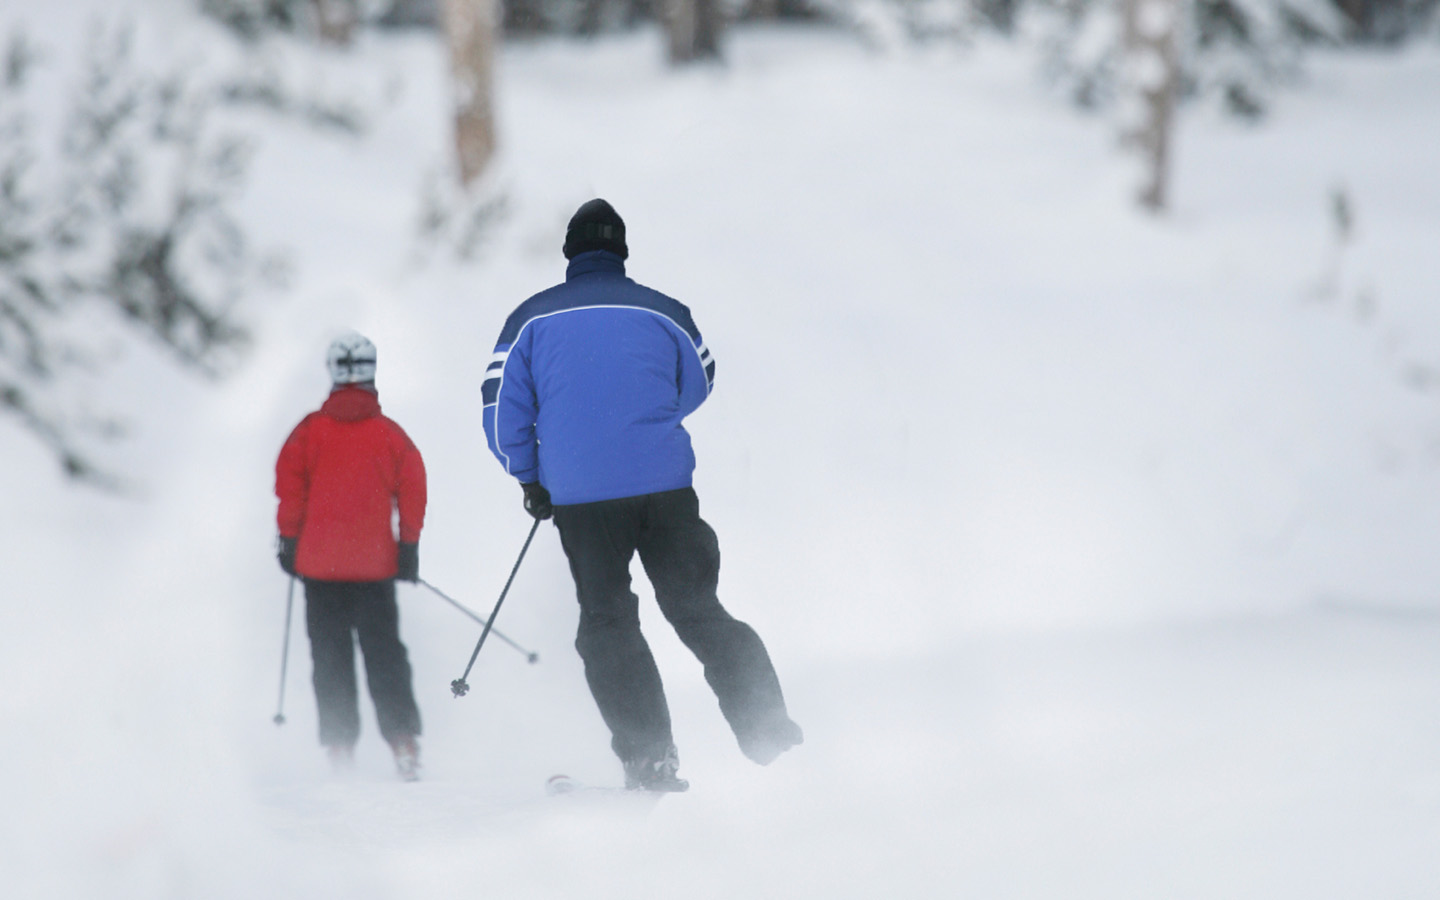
285	654
459	687
532	658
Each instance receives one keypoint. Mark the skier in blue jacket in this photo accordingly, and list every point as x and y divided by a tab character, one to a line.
584	401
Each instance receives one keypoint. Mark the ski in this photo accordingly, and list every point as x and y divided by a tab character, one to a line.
561	785
565	786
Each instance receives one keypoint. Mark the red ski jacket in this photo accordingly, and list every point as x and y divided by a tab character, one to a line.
342	474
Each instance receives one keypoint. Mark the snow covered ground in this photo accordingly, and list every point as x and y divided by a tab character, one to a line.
1096	552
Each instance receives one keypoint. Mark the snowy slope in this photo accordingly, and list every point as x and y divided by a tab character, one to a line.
1094	551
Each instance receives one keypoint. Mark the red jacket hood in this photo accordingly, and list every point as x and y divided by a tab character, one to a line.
351	404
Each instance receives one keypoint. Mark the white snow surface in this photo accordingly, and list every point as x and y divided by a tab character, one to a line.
1096	551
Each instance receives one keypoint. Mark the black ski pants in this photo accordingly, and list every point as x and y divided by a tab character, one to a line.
336	613
681	556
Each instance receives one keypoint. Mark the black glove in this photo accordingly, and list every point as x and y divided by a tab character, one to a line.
408	563
285	552
537	500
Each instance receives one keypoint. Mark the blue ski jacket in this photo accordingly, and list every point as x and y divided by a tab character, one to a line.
590	382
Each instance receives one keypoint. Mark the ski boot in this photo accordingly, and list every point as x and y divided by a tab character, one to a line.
646	774
407	758
766	742
341	756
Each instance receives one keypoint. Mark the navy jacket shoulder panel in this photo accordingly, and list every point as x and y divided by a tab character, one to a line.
599	292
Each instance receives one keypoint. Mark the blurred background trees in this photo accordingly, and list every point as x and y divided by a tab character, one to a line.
116	215
116	228
1138	60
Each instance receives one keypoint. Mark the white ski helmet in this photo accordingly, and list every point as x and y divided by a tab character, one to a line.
351	359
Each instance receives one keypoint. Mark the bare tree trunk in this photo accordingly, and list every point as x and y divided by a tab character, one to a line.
470	26
694	29
1153	62
336	20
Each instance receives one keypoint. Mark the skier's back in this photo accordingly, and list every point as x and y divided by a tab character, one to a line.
584	402
342	475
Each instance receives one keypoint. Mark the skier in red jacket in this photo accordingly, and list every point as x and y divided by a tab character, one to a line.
343	474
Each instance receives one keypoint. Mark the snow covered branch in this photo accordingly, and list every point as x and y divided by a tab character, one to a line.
114	225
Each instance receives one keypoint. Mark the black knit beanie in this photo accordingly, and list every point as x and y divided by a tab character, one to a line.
595	226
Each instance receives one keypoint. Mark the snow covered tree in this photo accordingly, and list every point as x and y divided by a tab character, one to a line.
115	230
411	14
1232	52
329	21
579	17
1386	21
252	18
589	17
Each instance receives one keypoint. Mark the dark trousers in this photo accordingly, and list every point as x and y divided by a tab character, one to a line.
336	612
681	556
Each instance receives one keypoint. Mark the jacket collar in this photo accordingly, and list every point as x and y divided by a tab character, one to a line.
351	403
595	262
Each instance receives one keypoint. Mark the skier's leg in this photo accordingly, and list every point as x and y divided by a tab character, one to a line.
332	650
681	555
599	541
387	664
